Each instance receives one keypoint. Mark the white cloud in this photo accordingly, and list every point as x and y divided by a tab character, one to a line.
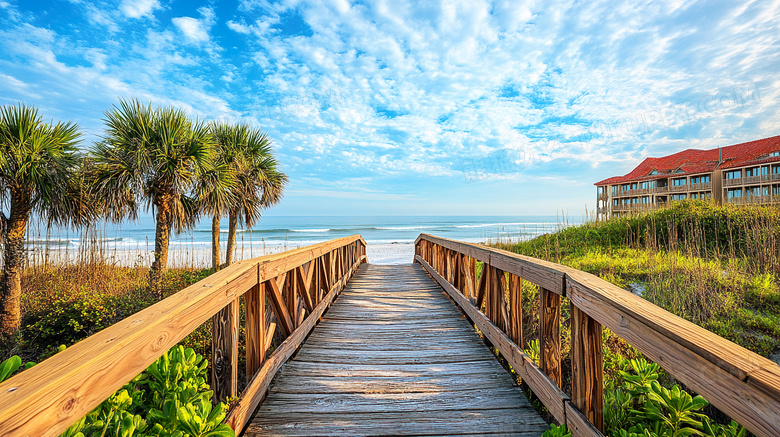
192	28
196	30
139	8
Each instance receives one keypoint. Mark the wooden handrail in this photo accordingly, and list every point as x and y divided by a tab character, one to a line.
742	384
48	398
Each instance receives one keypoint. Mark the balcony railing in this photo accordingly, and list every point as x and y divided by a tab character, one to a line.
746	200
751	180
678	188
702	186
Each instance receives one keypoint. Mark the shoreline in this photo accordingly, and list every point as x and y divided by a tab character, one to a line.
200	257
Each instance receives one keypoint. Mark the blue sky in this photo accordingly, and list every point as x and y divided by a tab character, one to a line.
395	107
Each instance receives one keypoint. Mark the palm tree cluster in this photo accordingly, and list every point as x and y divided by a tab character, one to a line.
151	157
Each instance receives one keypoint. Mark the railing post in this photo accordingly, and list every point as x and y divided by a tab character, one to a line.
255	329
224	352
550	335
587	377
516	309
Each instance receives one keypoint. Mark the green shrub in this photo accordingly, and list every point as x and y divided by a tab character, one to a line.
171	398
71	317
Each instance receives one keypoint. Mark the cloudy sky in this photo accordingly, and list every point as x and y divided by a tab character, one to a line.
419	107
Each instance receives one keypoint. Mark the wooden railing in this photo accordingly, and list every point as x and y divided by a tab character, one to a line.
287	292
740	383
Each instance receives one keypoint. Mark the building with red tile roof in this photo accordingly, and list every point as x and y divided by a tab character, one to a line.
740	173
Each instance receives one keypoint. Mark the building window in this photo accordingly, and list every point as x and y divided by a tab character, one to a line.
614	202
706	195
774	154
679	196
700	179
776	190
764	191
755	171
734	192
679	182
734	174
614	190
694	195
755	191
626	187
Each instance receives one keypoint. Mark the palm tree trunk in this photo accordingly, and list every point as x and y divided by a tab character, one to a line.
216	257
231	243
162	237
11	280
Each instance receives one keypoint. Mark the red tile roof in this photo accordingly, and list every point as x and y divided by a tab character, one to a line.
693	161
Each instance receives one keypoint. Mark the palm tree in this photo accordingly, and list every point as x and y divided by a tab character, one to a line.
39	173
153	155
216	188
257	184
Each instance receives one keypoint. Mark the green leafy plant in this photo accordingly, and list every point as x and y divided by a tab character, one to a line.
674	411
170	399
9	366
533	351
557	431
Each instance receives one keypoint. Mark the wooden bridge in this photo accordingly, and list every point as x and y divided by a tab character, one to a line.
397	352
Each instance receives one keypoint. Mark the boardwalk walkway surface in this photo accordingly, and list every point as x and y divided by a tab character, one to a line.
394	356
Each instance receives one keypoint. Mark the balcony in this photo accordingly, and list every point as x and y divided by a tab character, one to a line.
751	180
703	186
602	196
678	188
634	207
749	200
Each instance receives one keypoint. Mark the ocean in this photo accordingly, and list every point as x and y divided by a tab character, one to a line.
389	238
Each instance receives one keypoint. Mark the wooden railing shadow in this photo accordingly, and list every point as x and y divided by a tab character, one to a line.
286	292
739	382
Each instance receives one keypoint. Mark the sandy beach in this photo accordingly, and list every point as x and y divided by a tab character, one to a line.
199	256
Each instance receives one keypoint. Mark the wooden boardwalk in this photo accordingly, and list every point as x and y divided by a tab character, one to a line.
394	356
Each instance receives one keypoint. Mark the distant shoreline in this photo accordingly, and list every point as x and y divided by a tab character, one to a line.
200	257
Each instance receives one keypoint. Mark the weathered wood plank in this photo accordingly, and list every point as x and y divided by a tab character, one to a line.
283	316
439	423
550	335
224	352
587	363
255	329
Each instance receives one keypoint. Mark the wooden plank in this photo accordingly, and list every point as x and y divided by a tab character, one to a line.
481	288
224	352
439	423
578	424
516	310
544	388
303	289
550	335
255	329
587	363
289	292
280	308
